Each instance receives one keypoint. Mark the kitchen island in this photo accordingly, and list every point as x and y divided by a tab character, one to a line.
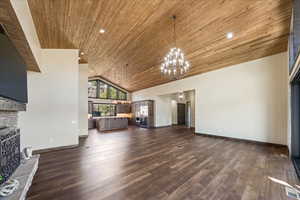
111	123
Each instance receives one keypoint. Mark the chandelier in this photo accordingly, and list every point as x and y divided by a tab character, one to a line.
175	65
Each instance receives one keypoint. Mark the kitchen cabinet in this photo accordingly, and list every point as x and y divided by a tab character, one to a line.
123	108
143	113
111	123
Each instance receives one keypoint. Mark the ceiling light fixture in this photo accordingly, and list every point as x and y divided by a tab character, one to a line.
175	65
82	53
101	30
181	95
229	35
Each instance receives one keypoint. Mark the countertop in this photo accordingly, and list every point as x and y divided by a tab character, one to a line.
110	117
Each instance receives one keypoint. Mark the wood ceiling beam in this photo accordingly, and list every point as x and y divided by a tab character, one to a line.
14	30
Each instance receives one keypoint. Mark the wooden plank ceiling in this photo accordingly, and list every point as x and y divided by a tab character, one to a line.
14	30
139	33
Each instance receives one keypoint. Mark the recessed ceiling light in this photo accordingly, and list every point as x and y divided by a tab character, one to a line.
229	35
82	53
101	30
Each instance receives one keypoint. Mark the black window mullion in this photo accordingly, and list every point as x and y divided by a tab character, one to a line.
97	92
106	89
108	92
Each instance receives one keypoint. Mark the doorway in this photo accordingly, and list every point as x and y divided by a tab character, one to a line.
183	108
180	113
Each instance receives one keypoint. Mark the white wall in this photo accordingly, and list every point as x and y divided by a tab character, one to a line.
83	99
51	119
191	98
52	116
246	101
174	112
163	106
24	16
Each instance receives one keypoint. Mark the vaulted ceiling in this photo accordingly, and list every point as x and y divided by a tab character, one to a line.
139	33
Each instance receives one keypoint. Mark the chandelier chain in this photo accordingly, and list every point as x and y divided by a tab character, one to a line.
174	33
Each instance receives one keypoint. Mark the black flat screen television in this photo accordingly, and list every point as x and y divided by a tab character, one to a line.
13	76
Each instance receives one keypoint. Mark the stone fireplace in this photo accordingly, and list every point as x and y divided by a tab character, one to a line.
9	137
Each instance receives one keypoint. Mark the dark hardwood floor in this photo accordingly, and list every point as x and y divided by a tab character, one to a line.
165	163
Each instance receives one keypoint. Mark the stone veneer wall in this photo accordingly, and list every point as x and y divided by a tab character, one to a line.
9	112
8	119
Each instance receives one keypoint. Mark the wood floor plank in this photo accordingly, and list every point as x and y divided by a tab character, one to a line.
162	164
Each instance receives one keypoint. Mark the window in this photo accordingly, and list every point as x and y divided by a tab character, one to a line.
102	109
92	90
122	95
103	90
112	93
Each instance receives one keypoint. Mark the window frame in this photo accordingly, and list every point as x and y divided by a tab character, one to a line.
109	93
110	104
96	89
108	96
125	95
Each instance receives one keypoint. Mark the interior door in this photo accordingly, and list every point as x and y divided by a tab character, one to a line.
180	113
